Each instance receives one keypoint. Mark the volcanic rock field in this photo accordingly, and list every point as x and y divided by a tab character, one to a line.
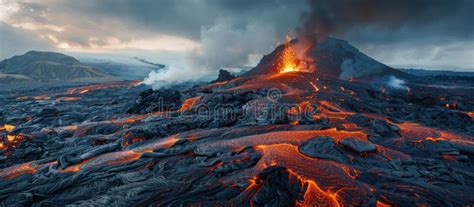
289	139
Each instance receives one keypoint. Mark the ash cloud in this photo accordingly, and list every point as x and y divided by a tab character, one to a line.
396	83
402	33
223	45
348	16
15	42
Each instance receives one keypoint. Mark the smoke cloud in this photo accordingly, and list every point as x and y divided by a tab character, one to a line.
396	83
224	44
345	16
176	73
231	41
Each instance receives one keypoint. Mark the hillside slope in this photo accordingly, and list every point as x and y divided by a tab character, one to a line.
49	66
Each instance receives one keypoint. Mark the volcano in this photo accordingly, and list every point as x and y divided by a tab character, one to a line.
327	56
290	132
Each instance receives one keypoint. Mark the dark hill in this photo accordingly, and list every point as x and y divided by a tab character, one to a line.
49	66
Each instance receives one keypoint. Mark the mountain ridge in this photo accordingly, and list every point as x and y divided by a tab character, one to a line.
46	66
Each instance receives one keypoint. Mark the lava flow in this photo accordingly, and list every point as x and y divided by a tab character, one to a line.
329	184
7	127
90	88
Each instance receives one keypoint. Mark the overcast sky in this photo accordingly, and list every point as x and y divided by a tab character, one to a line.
435	34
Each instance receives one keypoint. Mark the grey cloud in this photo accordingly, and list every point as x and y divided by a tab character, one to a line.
400	33
372	25
186	18
386	20
14	41
225	46
228	29
32	11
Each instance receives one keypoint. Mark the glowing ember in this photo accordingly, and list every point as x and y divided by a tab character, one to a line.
43	97
471	114
14	139
84	91
71	99
11	138
434	139
7	127
451	105
314	86
90	88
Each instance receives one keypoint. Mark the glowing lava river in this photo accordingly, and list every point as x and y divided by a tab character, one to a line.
285	139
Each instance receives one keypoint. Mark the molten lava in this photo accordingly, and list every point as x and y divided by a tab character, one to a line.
14	171
328	183
42	97
70	99
288	58
7	127
188	104
90	88
471	114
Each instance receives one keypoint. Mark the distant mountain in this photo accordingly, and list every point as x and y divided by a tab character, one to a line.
330	56
119	65
49	66
443	77
426	72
